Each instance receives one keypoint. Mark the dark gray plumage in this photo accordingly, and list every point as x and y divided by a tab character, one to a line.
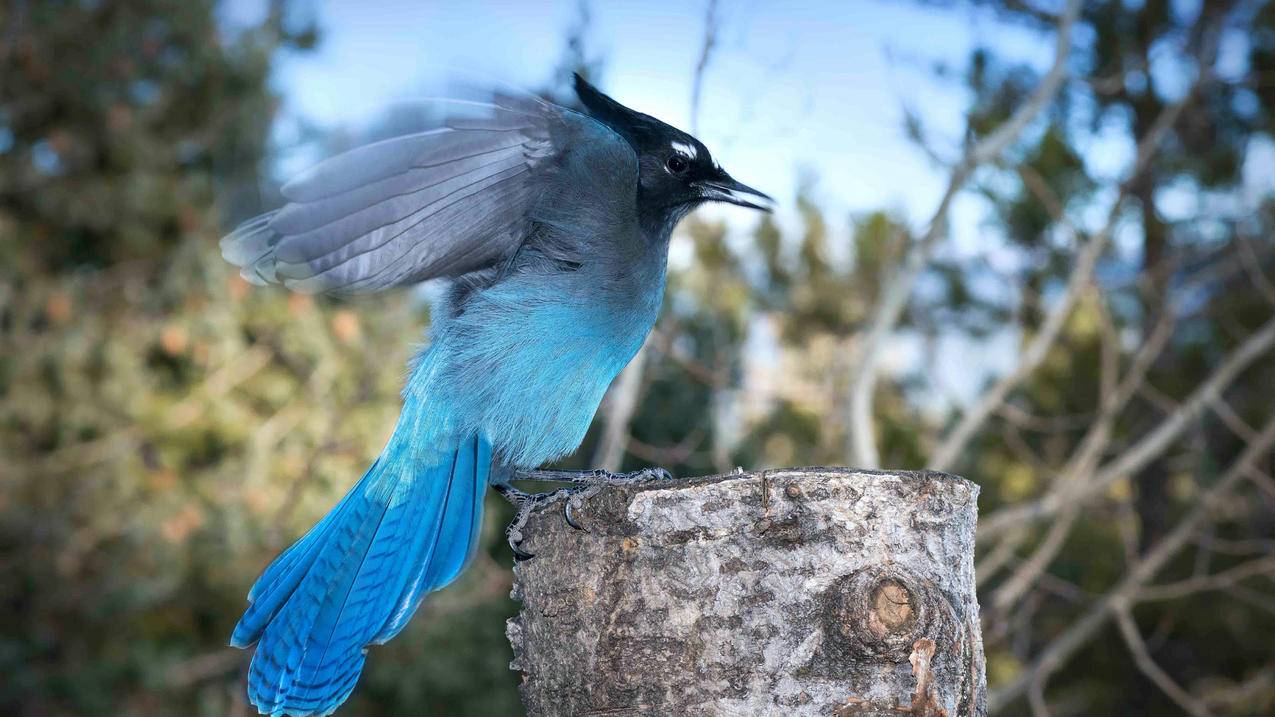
432	204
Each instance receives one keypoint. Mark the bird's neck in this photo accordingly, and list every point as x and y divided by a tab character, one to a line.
658	220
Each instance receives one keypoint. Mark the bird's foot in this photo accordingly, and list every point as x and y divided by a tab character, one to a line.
595	477
586	485
526	503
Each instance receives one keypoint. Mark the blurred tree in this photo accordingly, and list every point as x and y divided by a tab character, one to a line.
1182	292
165	430
119	120
1124	339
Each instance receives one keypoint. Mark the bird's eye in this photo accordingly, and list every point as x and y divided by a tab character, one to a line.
676	164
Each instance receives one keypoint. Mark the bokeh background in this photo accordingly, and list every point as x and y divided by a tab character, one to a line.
1027	247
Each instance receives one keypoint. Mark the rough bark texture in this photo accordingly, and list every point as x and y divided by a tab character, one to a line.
816	591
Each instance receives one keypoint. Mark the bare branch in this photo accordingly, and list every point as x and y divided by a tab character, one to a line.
1253	267
711	24
1032	568
894	298
1036	699
1262	480
1080	277
1031	357
1217	581
1081	464
1147	665
215	663
1241	693
999	140
1001	555
1146	449
1233	421
1083	629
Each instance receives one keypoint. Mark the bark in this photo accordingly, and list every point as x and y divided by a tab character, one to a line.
816	591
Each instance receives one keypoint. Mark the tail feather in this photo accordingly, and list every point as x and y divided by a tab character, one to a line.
439	561
358	576
283	575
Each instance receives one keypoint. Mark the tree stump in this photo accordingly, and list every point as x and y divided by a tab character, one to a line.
815	591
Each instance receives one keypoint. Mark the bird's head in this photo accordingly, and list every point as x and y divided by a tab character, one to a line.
676	173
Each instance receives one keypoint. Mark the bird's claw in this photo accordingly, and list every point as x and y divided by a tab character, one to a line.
586	484
596	477
525	503
519	554
576	497
567	507
653	473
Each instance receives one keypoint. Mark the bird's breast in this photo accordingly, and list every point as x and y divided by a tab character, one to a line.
526	364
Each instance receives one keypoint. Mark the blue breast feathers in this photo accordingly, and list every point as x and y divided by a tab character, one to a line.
526	366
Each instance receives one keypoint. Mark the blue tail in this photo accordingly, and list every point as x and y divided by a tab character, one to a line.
357	577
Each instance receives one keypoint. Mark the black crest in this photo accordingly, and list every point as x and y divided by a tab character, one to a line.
637	128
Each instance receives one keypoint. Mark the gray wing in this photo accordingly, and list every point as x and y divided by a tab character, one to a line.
432	204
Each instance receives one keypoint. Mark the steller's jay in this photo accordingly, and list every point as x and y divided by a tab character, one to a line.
553	229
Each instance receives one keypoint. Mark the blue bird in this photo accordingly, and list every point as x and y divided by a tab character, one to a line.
552	227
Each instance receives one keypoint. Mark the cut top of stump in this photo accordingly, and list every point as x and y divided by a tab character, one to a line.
813	591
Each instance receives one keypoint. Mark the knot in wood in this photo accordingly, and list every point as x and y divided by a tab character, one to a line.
891	608
879	612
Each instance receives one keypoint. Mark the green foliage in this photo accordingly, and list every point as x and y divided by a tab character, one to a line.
166	431
166	434
1057	172
117	144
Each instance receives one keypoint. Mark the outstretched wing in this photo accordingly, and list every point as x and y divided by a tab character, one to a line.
432	204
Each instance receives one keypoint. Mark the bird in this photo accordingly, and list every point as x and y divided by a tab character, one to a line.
549	228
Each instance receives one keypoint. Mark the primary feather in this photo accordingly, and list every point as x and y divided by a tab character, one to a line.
440	203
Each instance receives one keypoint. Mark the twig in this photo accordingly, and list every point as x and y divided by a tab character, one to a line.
1083	629
1253	267
1216	581
1147	665
202	667
1036	700
1082	463
1243	692
1001	555
1079	278
862	443
1030	358
1232	420
1146	449
711	23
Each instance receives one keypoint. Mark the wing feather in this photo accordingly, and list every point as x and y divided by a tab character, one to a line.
314	229
439	203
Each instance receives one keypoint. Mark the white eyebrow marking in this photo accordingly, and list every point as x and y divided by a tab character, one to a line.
686	149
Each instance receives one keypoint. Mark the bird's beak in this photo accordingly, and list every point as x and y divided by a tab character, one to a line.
726	189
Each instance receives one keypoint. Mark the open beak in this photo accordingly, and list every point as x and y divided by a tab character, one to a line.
726	189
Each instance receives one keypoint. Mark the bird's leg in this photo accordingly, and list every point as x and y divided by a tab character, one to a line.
526	503
595	477
587	484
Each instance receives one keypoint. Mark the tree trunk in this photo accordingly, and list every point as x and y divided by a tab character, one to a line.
816	591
